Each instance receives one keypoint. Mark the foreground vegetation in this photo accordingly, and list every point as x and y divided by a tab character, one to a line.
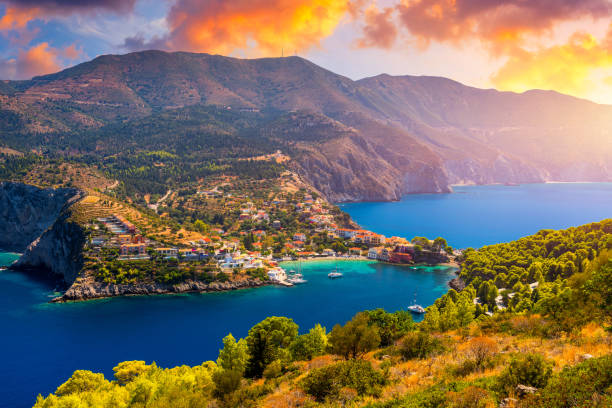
552	348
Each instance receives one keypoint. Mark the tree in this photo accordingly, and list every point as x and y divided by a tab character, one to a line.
234	355
82	381
309	345
431	321
355	338
439	243
128	370
268	341
391	326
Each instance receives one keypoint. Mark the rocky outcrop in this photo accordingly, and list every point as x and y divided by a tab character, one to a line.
80	291
430	257
37	222
27	211
59	250
457	283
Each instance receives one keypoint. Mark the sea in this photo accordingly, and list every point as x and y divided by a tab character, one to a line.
475	216
41	344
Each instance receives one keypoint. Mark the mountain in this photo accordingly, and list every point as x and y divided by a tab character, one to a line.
373	139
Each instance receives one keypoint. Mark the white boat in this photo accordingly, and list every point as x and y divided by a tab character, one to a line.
416	309
295	280
334	275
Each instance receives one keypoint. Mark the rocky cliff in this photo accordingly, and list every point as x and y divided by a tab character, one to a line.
86	290
27	211
37	222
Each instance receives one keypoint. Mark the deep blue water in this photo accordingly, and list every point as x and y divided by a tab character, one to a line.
482	215
42	343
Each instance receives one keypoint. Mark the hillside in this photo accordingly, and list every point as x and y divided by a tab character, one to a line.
398	134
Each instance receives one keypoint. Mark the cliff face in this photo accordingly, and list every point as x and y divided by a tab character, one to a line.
37	222
27	211
58	250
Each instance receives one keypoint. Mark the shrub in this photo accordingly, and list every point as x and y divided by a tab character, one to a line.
585	384
355	338
226	381
327	382
419	345
527	369
471	397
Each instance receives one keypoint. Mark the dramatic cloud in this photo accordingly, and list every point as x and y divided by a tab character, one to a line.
37	60
567	68
259	27
500	23
379	29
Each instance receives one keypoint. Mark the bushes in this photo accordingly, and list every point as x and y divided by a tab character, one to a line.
328	382
586	384
355	338
527	369
419	345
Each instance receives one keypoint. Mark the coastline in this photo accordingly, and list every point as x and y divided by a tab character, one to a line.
80	292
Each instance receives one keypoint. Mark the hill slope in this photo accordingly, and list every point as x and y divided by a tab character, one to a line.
399	134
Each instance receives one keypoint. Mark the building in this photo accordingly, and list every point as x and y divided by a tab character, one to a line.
277	275
402	254
132	249
374	252
346	233
276	224
124	239
355	251
167	252
299	237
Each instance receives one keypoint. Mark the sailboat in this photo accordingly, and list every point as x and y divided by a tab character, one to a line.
414	308
297	278
334	274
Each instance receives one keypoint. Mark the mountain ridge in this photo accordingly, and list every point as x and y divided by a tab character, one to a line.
411	133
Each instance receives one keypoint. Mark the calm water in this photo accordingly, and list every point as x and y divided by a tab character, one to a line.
482	215
42	343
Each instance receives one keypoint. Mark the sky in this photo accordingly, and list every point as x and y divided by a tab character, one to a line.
514	45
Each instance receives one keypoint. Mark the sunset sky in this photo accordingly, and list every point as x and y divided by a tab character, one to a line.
564	45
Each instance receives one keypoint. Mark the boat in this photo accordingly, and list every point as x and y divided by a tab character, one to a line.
334	274
296	278
414	308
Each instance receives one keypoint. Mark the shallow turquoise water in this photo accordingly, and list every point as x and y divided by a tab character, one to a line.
482	215
42	343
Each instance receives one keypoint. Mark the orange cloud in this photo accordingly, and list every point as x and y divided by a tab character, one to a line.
15	18
569	68
38	60
501	25
262	27
379	29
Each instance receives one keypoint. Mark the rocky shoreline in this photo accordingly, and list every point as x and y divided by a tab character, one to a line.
95	290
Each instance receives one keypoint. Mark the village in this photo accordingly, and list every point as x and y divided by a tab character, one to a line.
263	233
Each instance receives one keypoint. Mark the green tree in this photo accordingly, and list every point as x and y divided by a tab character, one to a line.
355	338
309	345
82	381
234	355
268	341
391	326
